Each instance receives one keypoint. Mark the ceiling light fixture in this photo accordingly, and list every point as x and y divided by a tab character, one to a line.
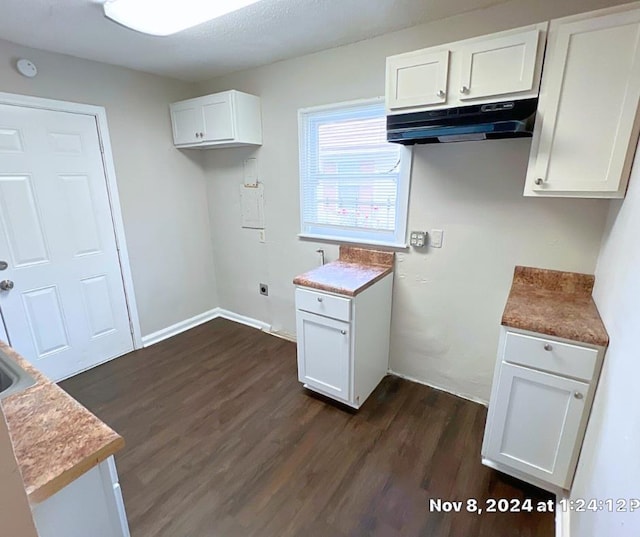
166	17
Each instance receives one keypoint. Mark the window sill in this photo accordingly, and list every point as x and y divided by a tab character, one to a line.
339	240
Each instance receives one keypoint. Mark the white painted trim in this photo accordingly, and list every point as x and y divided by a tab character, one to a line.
242	319
178	328
187	324
100	115
284	335
440	388
563	519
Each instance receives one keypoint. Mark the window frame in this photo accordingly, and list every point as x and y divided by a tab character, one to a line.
395	239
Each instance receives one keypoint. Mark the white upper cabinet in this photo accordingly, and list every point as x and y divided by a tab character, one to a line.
587	127
226	119
417	79
506	65
499	66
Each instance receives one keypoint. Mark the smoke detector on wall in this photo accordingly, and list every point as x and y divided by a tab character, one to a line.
26	68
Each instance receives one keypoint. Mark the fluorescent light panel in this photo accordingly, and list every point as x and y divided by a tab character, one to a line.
166	17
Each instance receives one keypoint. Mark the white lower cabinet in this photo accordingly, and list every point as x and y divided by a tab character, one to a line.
90	506
343	342
539	411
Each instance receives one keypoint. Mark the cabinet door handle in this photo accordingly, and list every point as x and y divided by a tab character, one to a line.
441	93
548	347
343	332
464	89
539	181
578	395
202	135
319	299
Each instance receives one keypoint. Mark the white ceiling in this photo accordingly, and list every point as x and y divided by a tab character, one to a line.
262	33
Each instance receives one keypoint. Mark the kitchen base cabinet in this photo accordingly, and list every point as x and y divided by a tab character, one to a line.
90	506
343	342
540	403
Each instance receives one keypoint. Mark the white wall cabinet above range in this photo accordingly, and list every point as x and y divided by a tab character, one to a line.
501	66
225	119
586	128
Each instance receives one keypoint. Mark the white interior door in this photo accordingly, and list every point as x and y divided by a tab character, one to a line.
67	309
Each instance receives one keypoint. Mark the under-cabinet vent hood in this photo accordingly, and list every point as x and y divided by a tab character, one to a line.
505	119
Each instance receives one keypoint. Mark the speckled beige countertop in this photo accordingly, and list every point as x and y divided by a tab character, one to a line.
354	271
556	304
54	437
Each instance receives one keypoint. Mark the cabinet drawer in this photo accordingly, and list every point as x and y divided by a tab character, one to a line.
323	304
549	355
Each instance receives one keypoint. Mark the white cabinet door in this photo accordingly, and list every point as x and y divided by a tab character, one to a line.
586	130
324	354
535	423
498	66
186	120
417	79
217	114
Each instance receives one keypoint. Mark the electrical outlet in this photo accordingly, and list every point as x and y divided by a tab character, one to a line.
418	239
264	289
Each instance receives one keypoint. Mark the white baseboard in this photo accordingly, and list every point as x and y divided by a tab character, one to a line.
284	335
440	388
242	319
562	520
175	329
182	326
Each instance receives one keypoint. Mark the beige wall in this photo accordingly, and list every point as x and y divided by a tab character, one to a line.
448	302
162	190
15	514
609	465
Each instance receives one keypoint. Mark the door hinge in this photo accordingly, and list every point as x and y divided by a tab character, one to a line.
101	146
131	329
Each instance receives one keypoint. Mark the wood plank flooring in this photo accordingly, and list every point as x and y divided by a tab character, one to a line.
222	441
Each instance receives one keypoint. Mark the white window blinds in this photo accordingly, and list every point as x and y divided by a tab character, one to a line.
353	183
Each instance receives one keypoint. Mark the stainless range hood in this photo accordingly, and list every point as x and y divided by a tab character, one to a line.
505	119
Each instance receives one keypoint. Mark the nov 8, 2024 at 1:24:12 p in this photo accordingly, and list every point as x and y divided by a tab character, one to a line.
518	505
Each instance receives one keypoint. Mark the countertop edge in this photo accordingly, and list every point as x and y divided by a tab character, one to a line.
340	290
545	332
45	491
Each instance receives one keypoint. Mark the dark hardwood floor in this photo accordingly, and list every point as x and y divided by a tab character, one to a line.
222	441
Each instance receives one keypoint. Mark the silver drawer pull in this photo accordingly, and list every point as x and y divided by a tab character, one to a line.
578	395
319	299
548	347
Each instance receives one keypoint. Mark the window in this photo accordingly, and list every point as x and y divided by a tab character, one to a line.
354	185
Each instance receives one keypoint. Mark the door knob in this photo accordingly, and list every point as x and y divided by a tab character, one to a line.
343	332
538	181
319	299
6	285
4	265
548	347
441	93
578	395
464	89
